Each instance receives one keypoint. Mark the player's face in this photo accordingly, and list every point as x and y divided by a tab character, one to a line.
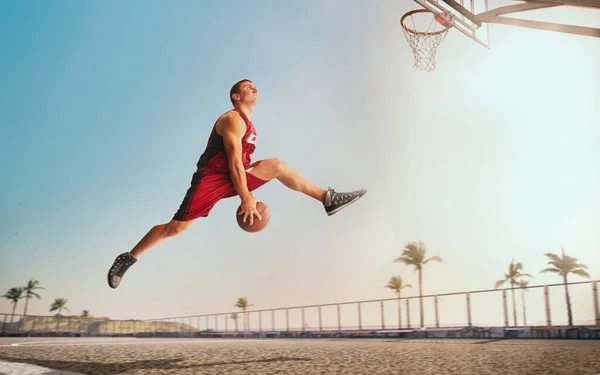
248	93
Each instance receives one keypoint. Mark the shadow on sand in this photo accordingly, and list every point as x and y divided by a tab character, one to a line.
101	368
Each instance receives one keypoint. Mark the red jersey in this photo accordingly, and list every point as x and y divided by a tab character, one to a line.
214	159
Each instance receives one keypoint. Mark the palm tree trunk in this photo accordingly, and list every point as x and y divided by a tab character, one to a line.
421	295
25	310
58	319
399	312
514	305
12	316
523	307
570	314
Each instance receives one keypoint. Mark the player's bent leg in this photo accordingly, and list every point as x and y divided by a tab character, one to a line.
332	201
269	169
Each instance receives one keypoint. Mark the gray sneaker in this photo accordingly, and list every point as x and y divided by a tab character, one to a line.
334	201
118	269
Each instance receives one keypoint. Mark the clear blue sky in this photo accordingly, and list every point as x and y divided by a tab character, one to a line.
105	108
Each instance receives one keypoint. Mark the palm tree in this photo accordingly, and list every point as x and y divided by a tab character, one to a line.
242	303
414	255
396	284
514	273
59	304
29	293
563	266
14	295
523	285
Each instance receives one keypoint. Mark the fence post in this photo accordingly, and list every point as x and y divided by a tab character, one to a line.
320	320
505	307
547	300
339	316
407	313
273	320
260	321
287	320
437	313
359	317
596	312
382	315
524	306
399	313
303	320
469	309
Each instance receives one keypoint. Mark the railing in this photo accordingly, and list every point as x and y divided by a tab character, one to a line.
534	306
339	316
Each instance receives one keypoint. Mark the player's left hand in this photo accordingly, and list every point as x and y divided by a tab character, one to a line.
248	209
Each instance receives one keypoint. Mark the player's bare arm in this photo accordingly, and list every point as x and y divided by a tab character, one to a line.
232	129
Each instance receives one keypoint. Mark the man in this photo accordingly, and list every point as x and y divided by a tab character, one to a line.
224	170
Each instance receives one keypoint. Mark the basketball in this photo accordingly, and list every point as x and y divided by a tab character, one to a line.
257	225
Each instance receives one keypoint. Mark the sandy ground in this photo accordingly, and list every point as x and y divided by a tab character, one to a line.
305	356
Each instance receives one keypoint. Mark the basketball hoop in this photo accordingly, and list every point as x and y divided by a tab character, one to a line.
424	36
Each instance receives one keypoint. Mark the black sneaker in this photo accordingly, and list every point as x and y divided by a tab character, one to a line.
118	269
334	202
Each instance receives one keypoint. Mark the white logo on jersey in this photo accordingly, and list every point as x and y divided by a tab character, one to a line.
252	139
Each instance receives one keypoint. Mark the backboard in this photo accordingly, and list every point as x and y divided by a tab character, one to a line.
461	15
472	17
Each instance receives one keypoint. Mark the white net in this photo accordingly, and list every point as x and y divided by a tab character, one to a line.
424	33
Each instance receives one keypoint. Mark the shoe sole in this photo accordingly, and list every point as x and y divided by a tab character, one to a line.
109	283
346	205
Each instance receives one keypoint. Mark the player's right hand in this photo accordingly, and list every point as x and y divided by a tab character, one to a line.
248	209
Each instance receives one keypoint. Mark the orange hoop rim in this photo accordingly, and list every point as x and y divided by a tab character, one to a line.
408	29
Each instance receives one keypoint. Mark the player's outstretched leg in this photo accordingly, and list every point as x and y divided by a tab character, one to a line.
333	201
158	233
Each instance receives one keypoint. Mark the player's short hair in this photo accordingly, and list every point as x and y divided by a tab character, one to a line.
235	89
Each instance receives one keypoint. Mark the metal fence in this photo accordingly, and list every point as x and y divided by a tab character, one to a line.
540	306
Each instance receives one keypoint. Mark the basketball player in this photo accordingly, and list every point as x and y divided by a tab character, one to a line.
224	170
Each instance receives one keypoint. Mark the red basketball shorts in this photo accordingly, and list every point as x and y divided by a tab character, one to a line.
207	189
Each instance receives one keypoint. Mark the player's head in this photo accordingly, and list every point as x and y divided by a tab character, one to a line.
243	91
